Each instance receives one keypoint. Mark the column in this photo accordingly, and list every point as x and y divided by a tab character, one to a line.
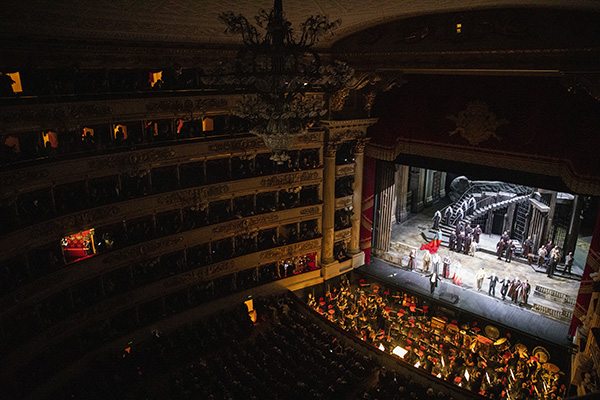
490	222
548	229
571	242
384	197
510	218
428	187
401	180
359	153
443	185
417	182
328	202
532	228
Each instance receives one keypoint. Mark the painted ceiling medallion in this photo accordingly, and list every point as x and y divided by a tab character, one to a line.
477	123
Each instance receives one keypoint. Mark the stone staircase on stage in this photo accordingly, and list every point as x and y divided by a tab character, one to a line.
485	202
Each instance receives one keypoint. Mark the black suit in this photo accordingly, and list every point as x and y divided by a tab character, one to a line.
493	280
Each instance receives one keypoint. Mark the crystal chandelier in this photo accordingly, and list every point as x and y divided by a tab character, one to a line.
282	77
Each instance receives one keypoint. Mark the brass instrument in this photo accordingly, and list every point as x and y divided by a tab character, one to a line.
502	344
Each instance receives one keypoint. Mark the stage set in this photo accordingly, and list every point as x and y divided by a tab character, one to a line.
518	246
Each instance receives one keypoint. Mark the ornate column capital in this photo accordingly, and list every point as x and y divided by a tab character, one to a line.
359	145
330	149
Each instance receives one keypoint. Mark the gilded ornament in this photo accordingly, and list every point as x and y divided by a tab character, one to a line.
477	123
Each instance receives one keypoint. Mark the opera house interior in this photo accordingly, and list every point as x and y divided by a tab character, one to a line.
299	199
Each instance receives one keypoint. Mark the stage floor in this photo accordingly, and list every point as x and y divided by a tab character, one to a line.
548	307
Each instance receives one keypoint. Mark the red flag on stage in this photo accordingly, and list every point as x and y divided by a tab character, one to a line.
434	244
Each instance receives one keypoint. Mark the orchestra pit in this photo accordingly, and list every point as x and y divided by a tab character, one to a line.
283	199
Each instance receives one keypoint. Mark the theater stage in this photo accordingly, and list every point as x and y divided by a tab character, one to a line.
546	316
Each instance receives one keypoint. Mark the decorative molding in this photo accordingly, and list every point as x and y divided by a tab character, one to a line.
476	123
310	137
343	202
359	146
348	134
345	130
338	99
153	247
216	270
69	223
27	118
362	80
21	177
288	179
246	224
77	111
199	194
330	149
343	170
132	160
342	235
311	210
187	105
230	146
290	250
369	101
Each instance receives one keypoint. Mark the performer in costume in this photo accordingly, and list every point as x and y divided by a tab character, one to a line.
480	277
435	262
459	228
457	275
426	261
527	245
447	262
569	262
467	243
448	214
476	233
472	205
473	249
452	241
468	229
460	215
492	288
504	288
510	250
541	256
499	249
513	290
433	282
459	242
437	217
523	292
411	259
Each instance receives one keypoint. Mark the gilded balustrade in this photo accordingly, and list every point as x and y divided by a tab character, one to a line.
37	235
102	263
23	180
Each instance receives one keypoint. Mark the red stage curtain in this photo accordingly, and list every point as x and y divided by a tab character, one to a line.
592	264
366	220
